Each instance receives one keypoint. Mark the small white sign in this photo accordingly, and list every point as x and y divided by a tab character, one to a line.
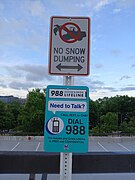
67	106
69	46
67	93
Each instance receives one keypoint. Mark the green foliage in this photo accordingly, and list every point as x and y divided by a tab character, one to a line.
106	115
128	127
31	117
109	122
2	116
115	104
93	114
13	111
123	109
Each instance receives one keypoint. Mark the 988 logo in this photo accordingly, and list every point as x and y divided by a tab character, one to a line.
56	93
75	130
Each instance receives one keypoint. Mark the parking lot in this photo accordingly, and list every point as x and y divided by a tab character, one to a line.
96	144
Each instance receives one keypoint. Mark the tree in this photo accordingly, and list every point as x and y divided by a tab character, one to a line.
128	127
2	116
124	106
32	116
108	123
93	114
13	111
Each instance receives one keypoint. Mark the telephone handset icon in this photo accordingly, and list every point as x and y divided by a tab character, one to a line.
55	125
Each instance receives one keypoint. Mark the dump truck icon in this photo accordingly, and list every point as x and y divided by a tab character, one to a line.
71	34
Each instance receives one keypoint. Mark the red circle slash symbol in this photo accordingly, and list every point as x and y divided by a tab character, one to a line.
71	36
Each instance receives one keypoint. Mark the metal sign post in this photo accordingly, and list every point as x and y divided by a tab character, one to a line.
65	166
66	158
66	122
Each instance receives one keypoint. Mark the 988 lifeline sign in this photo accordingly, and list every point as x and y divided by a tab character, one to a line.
69	46
66	121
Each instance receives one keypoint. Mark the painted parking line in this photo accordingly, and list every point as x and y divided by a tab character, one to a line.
123	147
15	146
37	146
102	147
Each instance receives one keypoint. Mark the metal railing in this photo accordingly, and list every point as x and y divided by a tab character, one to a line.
49	163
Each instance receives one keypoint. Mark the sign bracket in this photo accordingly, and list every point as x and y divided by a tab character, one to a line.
68	80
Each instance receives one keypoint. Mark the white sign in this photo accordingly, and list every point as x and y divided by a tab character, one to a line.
69	46
67	106
67	93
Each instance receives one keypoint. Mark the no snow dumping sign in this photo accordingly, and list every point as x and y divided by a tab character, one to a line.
69	46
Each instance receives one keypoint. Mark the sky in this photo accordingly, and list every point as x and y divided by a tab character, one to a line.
24	45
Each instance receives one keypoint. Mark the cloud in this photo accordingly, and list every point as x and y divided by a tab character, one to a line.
22	34
1	6
3	85
133	65
97	82
24	38
100	4
130	88
15	25
125	3
125	77
111	89
98	66
92	7
60	7
76	7
21	85
130	84
117	10
10	38
93	85
25	26
37	41
36	8
131	57
30	72
29	76
97	5
115	52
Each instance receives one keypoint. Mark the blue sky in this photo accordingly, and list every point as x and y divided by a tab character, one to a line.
24	45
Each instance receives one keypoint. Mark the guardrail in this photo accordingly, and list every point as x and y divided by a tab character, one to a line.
49	163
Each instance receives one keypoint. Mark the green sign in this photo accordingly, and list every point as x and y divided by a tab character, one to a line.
66	119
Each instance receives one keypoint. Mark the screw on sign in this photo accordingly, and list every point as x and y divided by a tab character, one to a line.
69	32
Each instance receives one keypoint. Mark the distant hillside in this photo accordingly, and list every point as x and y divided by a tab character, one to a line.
11	98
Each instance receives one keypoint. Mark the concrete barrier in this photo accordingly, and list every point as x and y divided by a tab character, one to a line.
91	138
22	138
111	139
